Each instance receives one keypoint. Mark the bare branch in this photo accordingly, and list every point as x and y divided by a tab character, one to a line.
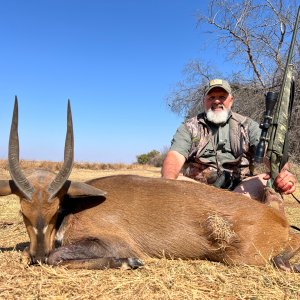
254	35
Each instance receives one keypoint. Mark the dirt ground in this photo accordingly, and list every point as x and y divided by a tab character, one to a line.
159	279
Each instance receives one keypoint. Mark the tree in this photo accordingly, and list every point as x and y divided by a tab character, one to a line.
255	35
151	158
252	34
142	159
256	32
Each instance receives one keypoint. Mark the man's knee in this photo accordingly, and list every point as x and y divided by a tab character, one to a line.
252	187
274	200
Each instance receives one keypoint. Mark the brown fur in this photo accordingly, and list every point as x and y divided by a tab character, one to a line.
141	216
156	217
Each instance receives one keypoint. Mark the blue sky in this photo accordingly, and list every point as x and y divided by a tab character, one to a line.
116	60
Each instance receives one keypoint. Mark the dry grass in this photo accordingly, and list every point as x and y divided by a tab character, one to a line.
55	166
159	279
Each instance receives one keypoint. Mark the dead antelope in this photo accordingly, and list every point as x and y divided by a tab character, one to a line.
138	217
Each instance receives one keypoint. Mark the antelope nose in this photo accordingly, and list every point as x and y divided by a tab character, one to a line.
38	259
33	259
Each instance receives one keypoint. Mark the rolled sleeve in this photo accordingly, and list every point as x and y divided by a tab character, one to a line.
182	141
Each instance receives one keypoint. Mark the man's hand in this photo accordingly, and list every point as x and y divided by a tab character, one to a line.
285	182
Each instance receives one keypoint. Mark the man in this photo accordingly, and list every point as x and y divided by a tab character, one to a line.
217	147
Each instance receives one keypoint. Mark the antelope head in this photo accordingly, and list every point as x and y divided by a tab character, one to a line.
41	191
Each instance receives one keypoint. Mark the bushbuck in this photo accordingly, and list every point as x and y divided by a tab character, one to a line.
113	222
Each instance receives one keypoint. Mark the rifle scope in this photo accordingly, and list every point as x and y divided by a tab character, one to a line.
271	99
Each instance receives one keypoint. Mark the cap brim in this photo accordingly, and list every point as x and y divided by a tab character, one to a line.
217	86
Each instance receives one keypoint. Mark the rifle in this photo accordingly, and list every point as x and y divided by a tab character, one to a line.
278	122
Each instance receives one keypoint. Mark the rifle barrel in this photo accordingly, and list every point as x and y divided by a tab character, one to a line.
294	37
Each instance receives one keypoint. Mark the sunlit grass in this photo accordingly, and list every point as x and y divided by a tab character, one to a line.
159	279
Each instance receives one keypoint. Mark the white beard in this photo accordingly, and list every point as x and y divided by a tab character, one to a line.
217	117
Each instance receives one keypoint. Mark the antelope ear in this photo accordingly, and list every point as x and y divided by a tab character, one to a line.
81	189
8	187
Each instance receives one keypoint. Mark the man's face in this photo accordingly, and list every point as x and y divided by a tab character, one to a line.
217	105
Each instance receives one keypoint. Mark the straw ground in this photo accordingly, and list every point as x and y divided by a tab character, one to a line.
159	279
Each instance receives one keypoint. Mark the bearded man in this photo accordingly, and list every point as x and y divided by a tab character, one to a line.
217	147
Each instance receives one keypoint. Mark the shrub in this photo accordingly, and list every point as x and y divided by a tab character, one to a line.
152	158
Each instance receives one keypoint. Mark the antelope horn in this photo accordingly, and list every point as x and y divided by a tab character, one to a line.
13	157
66	169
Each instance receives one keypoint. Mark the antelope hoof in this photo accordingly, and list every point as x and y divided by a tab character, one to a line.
296	268
131	263
282	263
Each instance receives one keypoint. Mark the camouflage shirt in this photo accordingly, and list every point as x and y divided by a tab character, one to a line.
210	149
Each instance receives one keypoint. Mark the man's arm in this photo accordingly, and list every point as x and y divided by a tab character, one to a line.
172	165
179	151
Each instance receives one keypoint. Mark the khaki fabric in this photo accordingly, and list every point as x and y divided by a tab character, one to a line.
210	149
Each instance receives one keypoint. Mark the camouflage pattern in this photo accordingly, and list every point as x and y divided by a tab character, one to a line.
207	171
279	126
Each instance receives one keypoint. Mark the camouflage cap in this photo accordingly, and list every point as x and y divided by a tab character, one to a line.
218	83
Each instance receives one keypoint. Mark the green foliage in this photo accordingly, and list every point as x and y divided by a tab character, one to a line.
153	158
142	159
